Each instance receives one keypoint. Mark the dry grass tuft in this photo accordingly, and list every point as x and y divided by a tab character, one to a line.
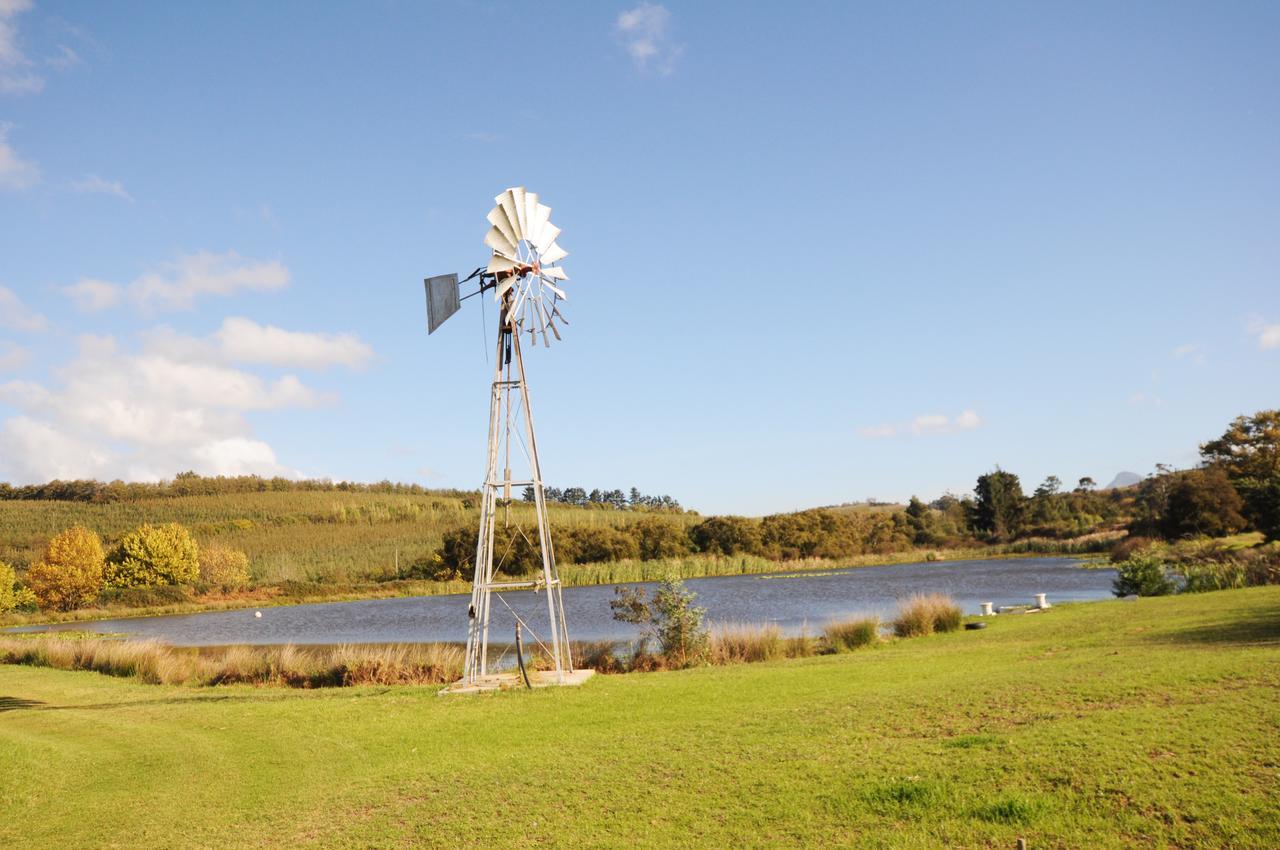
848	635
745	643
924	614
288	666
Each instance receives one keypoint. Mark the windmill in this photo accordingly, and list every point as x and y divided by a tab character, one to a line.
526	283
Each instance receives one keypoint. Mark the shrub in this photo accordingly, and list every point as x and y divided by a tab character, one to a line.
846	635
515	549
924	614
154	554
224	568
671	619
1142	575
69	575
658	537
1128	547
589	544
8	588
727	535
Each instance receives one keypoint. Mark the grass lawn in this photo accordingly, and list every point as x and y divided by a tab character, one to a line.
1118	724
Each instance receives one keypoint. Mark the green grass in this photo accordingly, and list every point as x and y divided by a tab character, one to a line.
1116	724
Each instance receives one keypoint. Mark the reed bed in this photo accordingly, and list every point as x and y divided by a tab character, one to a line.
288	666
926	613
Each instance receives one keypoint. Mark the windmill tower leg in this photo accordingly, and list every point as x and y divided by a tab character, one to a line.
550	576
501	418
478	612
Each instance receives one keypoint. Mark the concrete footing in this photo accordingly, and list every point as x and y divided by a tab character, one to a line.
512	681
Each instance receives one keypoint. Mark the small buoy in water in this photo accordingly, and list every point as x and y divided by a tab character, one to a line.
257	614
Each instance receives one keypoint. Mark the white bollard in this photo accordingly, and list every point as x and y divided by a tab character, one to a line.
986	608
1041	602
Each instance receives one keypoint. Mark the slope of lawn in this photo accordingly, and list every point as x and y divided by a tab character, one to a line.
1117	724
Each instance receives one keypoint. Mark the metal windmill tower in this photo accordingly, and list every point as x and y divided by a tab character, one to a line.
526	282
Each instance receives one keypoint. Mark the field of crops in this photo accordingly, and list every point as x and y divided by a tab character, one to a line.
289	536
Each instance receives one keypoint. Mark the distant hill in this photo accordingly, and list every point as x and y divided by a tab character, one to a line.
1124	479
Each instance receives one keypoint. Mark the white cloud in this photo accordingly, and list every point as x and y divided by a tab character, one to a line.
1268	335
246	341
16	173
95	185
142	415
17	316
16	76
12	356
878	432
241	340
90	294
644	34
925	425
176	285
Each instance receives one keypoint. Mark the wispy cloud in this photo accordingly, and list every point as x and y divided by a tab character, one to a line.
64	60
12	356
17	316
1268	335
1192	351
1141	398
91	295
926	424
16	74
95	185
242	340
177	285
16	173
645	33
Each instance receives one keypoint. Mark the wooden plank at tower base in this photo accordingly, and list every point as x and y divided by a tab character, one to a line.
512	681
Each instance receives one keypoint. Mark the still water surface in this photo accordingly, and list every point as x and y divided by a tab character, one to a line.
795	601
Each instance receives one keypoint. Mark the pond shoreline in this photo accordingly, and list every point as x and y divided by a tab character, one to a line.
573	575
796	601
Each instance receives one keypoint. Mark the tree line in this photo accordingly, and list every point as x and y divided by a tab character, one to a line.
193	484
616	499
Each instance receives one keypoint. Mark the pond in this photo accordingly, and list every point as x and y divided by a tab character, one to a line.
798	602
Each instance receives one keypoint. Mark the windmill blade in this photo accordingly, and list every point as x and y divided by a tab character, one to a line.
546	321
553	254
517	200
538	222
498	218
499	264
529	208
500	244
554	272
520	298
556	312
508	204
549	285
502	288
546	237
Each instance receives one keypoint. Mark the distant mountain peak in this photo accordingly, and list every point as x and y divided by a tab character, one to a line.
1124	479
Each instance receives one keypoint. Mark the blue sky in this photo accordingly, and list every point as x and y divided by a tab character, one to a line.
819	252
